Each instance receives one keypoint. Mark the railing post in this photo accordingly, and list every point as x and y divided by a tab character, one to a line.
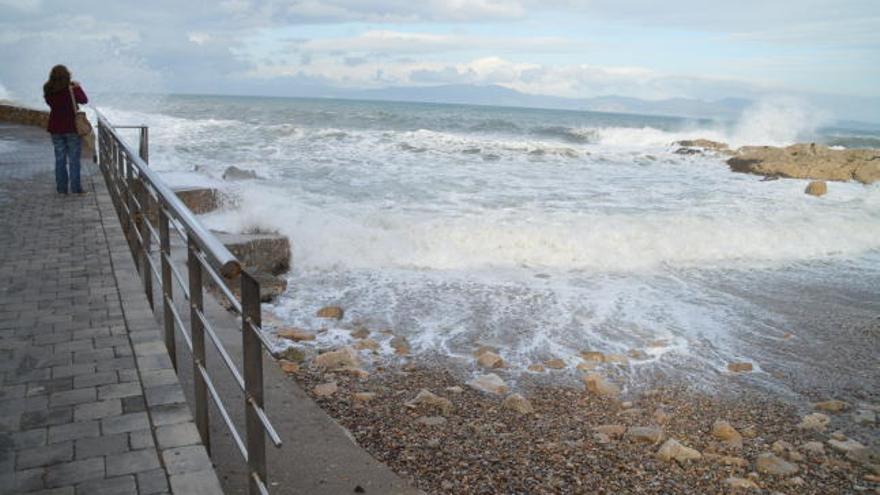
144	149
253	381
142	197
197	332
167	289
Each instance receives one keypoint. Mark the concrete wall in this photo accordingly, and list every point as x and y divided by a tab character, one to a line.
39	118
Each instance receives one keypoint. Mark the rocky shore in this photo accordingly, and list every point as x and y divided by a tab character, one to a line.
799	161
495	430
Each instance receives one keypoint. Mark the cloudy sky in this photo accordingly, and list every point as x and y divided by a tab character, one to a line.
822	50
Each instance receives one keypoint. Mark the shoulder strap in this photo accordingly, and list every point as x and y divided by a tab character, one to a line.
73	100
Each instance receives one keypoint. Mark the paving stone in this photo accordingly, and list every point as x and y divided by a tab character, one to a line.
52	417
124	423
152	482
201	483
44	456
120	485
71	473
170	414
95	379
141	439
101	446
97	410
165	394
26	480
134	404
119	390
30	438
75	396
177	435
132	462
73	431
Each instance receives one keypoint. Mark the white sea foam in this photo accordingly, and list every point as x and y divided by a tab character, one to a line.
542	239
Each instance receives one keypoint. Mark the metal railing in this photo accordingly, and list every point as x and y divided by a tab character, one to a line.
139	194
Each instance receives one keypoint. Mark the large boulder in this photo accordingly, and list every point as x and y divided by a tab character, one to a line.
235	173
699	146
490	383
199	200
808	161
265	252
599	385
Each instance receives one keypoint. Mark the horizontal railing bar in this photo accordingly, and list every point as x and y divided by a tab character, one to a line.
260	485
210	244
220	283
267	425
220	349
177	276
186	338
129	126
266	344
223	413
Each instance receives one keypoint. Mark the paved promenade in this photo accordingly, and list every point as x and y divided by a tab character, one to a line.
89	403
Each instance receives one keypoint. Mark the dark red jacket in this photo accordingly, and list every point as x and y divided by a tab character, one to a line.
62	114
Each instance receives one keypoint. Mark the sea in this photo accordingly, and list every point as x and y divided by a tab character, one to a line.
542	233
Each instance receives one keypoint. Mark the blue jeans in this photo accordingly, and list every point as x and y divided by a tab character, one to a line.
67	153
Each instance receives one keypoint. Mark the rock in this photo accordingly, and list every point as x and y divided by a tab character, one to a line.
739	367
587	366
454	389
490	383
235	173
367	344
289	366
816	188
262	252
645	434
536	368
723	431
817	448
431	420
338	359
354	371
199	200
360	333
363	397
787	450
400	345
593	356
518	403
796	481
616	358
555	364
832	406
808	161
814	421
612	431
865	417
295	334
489	359
727	460
661	416
768	463
483	349
704	144
427	400
325	389
638	354
672	450
330	312
741	483
839	435
845	446
292	354
597	384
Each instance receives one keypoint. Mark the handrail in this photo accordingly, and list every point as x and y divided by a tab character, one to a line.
137	193
229	265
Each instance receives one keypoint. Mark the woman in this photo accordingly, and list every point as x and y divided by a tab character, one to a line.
59	92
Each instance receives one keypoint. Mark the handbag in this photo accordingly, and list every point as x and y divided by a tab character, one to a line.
83	126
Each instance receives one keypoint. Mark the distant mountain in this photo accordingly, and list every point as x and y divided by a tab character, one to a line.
728	108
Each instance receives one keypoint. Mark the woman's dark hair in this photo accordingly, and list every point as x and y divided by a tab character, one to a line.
59	80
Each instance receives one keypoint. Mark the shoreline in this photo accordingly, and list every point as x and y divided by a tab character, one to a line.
476	444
